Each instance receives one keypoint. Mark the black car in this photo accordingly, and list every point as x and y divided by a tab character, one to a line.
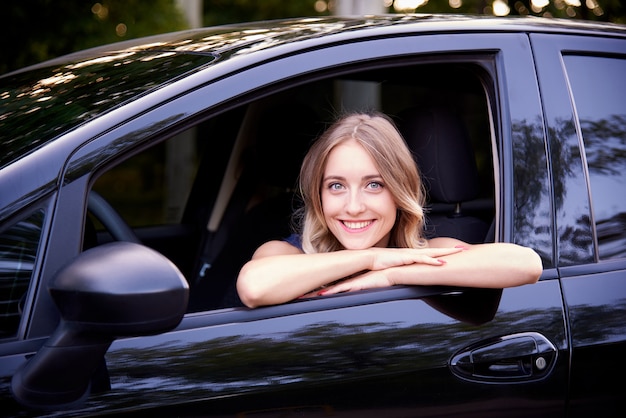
137	178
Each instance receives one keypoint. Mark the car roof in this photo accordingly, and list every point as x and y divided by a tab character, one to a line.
227	40
41	102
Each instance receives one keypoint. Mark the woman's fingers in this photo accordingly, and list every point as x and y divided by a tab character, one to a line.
386	259
402	256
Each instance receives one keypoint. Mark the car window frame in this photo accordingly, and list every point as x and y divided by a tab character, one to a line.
558	103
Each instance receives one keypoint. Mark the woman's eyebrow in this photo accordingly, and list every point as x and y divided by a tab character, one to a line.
333	177
341	178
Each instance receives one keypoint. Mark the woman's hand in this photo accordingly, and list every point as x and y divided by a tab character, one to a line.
384	258
383	261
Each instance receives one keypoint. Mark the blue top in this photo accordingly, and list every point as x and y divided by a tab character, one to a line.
295	240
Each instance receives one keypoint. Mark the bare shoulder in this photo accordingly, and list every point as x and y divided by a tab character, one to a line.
276	247
445	242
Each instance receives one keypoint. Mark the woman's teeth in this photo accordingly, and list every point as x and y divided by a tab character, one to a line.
356	225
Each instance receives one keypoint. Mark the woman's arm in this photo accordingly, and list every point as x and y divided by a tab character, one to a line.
497	265
279	272
493	265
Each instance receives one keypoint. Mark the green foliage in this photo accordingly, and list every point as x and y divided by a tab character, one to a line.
598	10
218	12
36	30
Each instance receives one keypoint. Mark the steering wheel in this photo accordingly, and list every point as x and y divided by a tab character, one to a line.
111	220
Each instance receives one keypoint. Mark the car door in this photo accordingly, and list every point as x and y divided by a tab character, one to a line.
424	351
584	97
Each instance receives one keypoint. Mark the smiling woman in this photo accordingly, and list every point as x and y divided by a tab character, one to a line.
362	227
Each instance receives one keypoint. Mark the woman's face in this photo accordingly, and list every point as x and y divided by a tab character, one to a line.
359	210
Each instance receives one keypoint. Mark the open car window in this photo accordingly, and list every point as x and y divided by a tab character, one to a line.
208	196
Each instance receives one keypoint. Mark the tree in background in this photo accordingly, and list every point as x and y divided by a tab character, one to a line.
231	11
35	30
218	12
599	10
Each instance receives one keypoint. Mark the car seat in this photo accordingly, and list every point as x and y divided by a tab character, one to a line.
283	136
439	141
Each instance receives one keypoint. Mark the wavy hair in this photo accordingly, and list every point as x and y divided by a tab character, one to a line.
381	140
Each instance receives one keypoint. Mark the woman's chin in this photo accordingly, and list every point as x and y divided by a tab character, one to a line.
357	245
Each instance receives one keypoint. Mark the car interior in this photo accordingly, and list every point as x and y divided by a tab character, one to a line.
210	195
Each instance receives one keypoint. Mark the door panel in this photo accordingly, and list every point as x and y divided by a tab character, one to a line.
393	356
597	308
594	289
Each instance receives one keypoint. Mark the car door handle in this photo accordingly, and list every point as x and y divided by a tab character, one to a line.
519	357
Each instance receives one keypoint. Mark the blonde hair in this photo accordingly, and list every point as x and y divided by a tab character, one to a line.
381	140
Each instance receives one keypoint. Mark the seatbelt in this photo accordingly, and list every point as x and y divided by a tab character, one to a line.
216	238
233	196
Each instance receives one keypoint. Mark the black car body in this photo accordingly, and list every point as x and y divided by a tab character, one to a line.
188	144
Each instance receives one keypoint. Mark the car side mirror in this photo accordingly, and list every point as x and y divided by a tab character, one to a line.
117	289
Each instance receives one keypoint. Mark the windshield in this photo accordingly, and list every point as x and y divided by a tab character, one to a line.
38	105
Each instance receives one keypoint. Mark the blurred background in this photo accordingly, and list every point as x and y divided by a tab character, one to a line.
37	30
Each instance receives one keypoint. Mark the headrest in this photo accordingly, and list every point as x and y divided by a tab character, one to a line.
440	144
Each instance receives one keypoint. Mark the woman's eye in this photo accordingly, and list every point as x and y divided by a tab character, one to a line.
335	186
375	185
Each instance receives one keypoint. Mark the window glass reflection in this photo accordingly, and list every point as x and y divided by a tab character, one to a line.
39	104
599	94
18	249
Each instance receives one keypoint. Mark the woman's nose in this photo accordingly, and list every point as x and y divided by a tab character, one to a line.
355	203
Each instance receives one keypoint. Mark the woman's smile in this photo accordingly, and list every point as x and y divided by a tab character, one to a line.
356	226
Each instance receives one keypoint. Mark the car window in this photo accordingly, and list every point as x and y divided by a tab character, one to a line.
598	90
18	249
209	196
85	89
152	188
